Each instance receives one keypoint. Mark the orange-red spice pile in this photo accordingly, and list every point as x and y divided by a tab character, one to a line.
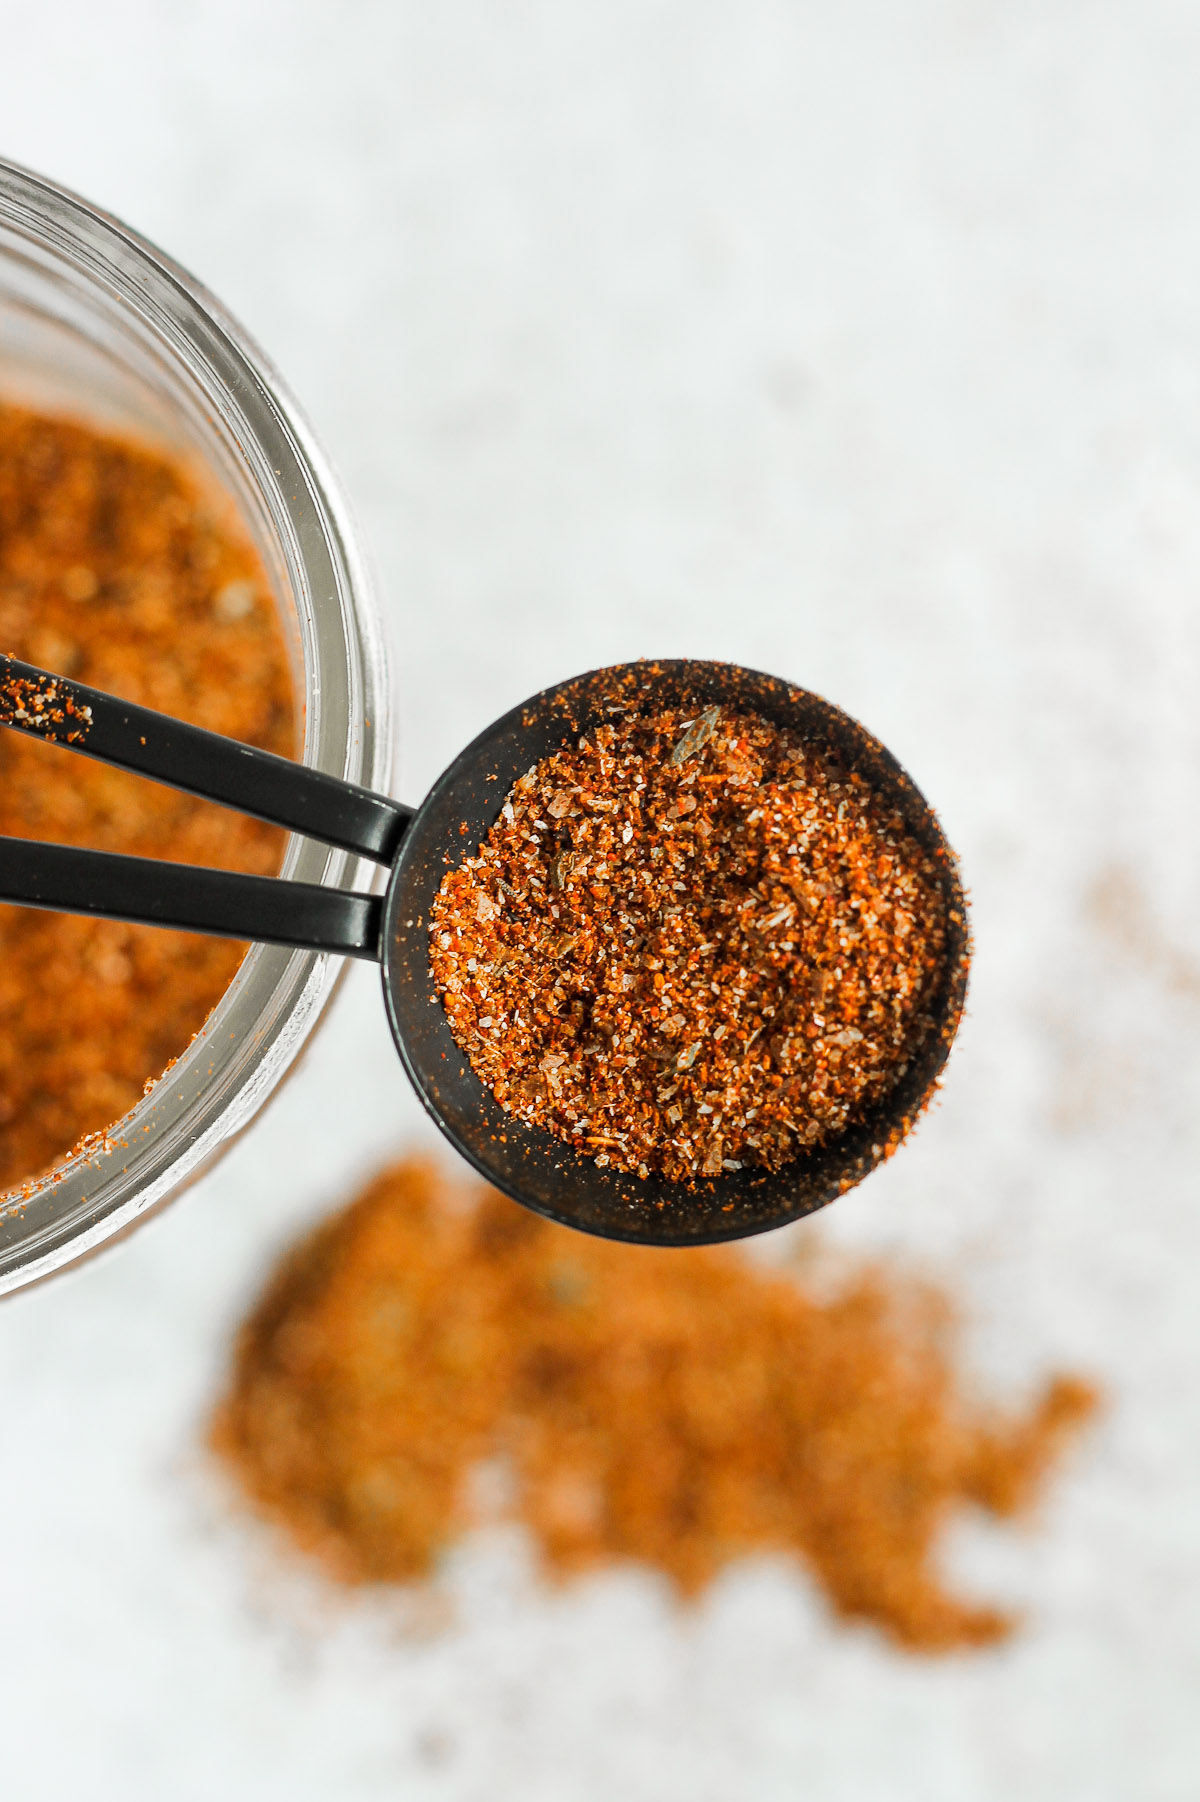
677	1407
690	943
117	570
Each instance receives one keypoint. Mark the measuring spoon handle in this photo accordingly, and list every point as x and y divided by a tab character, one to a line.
201	763
221	902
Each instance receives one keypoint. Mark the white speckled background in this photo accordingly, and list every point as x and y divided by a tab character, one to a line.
858	342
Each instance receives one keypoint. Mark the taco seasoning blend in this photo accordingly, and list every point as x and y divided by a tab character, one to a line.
115	569
684	1408
691	942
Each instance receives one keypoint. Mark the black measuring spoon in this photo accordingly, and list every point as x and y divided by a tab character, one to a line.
393	929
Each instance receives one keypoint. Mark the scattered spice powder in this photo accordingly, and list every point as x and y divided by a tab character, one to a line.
115	569
690	943
679	1407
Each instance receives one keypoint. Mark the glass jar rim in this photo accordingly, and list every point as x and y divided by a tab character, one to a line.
210	1093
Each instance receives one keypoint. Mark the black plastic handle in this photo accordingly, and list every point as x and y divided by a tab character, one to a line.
195	899
201	763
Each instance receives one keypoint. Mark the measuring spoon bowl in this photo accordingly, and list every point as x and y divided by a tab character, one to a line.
529	1163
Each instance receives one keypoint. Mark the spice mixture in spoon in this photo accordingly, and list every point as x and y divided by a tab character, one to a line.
691	942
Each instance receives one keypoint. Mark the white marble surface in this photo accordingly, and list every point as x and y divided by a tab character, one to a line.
858	342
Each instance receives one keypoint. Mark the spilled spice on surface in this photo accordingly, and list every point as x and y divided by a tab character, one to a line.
682	1408
690	943
116	570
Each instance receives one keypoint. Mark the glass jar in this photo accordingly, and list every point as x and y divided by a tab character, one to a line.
97	324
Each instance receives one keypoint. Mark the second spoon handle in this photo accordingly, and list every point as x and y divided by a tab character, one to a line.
201	763
196	899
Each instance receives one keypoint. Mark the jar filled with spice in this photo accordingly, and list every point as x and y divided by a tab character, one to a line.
98	327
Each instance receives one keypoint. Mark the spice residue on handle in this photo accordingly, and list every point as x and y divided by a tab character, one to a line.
682	1408
691	942
44	704
116	569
